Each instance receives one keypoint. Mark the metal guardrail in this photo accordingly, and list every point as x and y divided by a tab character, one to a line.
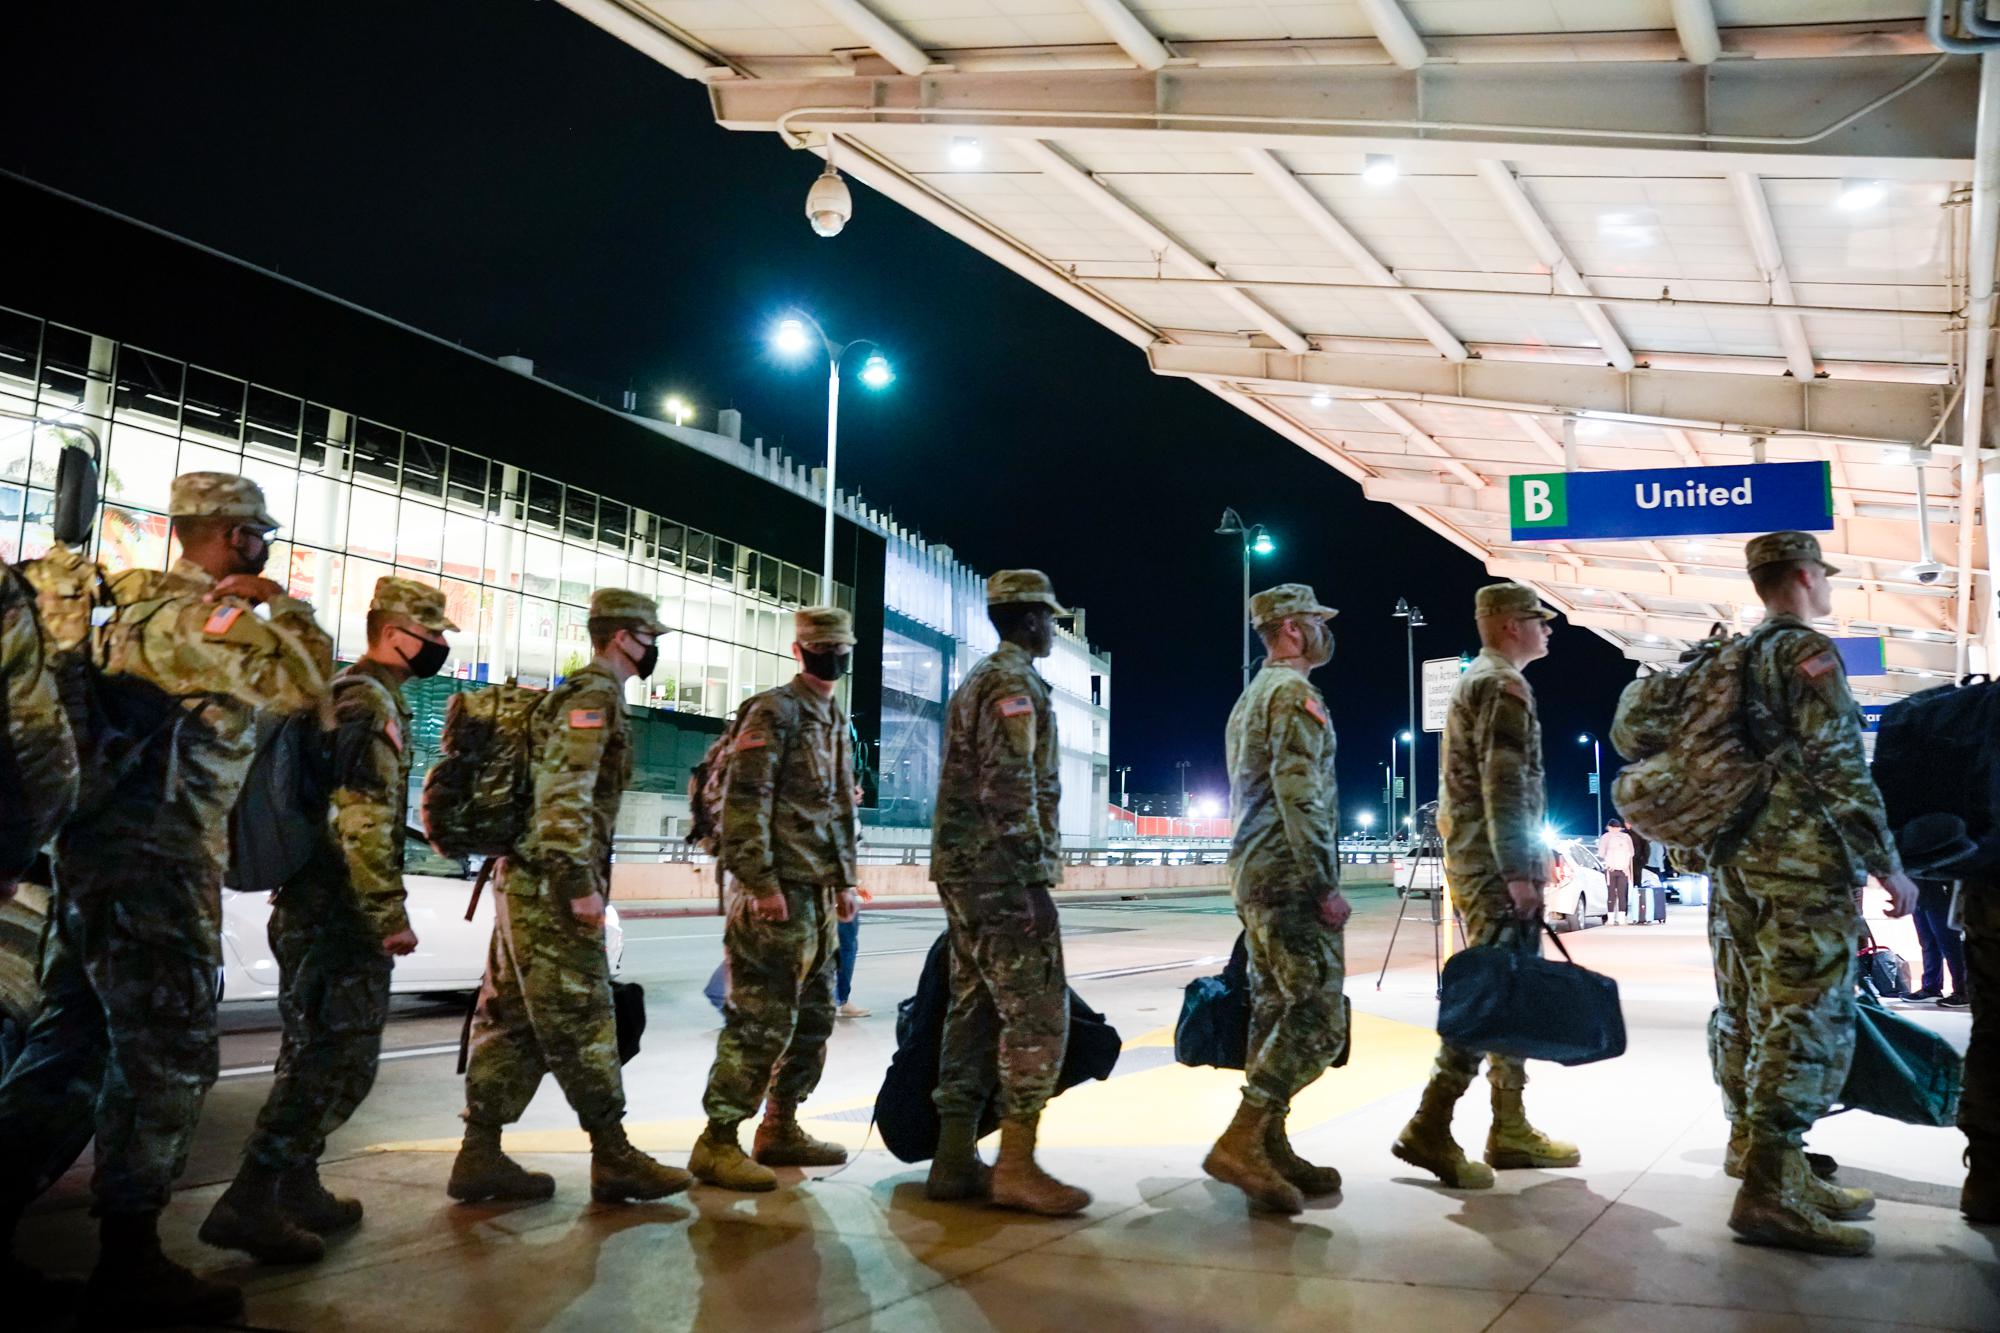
678	851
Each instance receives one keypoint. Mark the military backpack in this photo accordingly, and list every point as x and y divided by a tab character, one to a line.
1698	776
476	796
708	785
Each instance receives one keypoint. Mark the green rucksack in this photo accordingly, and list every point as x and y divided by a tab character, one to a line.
476	797
1699	776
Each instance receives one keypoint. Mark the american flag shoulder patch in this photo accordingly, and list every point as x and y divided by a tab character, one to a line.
1017	706
752	740
1313	707
586	719
221	619
1818	665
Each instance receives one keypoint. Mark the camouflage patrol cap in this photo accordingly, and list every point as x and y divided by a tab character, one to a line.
1013	586
823	624
621	604
406	597
1287	599
1509	599
219	495
1773	547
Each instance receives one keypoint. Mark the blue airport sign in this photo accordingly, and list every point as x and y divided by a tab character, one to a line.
1862	656
1670	502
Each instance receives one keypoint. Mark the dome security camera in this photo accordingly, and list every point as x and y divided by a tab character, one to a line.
829	204
1928	571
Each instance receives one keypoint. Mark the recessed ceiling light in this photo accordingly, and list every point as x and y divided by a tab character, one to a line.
966	152
1379	168
1856	195
1322	399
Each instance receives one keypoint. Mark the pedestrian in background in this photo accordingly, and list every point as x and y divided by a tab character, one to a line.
1619	856
1943	950
850	949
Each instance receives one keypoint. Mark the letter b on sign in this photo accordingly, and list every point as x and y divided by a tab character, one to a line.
1539	501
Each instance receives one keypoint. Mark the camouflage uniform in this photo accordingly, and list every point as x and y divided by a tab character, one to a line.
129	963
1284	859
37	749
1782	921
1491	816
996	851
545	1004
1979	1100
327	925
787	827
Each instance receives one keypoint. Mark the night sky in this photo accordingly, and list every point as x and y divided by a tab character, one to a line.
501	173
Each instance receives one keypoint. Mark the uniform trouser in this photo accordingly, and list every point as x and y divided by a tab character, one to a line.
850	950
779	1011
1008	1021
1488	912
1782	1034
125	1039
544	1008
333	999
1979	1097
1298	966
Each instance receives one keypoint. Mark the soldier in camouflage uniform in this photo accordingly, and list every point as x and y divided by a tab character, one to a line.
788	850
996	851
545	1004
336	931
127	1022
37	749
1979	1100
1491	814
1784	924
1284	869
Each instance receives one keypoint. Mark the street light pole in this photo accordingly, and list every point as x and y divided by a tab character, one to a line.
1183	766
1413	620
791	340
1596	771
832	451
1391	827
1124	802
1256	540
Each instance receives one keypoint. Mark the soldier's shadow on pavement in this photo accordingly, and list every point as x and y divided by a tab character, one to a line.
971	1222
787	1252
1493	1213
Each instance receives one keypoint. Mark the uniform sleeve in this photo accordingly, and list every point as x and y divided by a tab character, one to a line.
1302	783
1048	795
1006	746
258	666
1827	722
1505	733
296	618
368	804
37	749
561	843
749	803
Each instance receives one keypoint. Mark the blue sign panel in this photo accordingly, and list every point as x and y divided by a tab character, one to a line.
1670	502
1861	657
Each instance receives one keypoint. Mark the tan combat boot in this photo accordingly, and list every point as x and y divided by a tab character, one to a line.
136	1286
956	1170
781	1142
1312	1181
1822	1166
1771	1209
718	1159
1513	1143
313	1206
1426	1143
619	1171
1019	1182
1242	1158
481	1171
247	1218
1842	1203
1980	1199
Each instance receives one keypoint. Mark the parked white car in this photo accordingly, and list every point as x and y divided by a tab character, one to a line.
451	951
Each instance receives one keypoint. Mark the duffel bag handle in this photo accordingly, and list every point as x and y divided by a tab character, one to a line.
1550	931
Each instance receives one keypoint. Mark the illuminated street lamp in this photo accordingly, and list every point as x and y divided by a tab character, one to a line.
1596	772
792	339
1256	540
679	409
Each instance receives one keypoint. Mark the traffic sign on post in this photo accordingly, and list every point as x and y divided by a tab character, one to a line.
1670	502
1440	678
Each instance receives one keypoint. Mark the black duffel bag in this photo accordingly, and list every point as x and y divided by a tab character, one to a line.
1214	1026
1504	999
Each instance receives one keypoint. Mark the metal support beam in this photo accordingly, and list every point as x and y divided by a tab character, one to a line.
1834	409
1499	178
1313	211
888	40
1101	197
645	37
1983	233
1694	20
1416	435
1684	445
1392	28
1146	50
1755	210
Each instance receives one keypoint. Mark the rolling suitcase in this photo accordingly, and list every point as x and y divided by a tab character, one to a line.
1654	903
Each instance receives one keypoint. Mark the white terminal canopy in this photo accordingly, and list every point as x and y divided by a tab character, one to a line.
1440	244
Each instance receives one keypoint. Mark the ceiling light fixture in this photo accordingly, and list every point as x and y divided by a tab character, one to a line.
966	152
1379	168
1856	195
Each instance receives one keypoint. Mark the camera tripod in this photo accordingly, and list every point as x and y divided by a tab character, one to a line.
1428	851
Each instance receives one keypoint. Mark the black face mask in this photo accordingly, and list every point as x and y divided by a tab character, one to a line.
1318	647
825	666
263	557
644	665
428	660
